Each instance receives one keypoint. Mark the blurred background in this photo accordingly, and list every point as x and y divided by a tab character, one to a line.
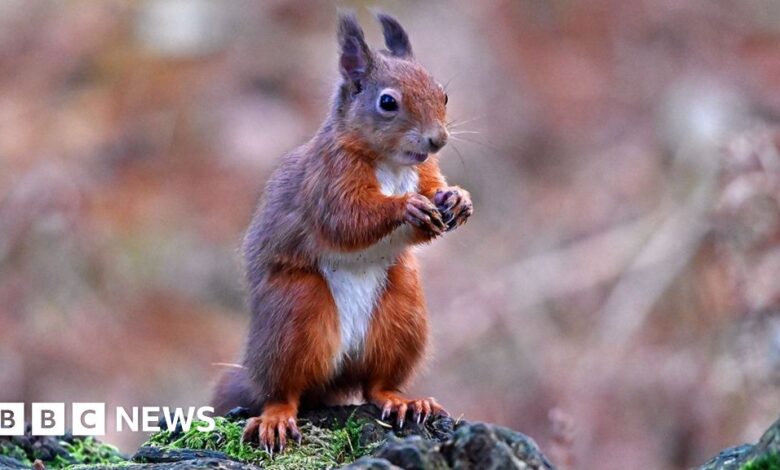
616	296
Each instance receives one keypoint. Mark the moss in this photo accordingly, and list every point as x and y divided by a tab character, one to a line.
88	451
321	447
79	451
770	461
7	449
226	438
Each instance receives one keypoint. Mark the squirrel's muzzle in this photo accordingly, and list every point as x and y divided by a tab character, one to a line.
437	140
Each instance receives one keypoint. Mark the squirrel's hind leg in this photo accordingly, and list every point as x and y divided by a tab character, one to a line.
396	343
297	355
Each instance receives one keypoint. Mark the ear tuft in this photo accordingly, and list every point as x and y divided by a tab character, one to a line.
396	39
356	57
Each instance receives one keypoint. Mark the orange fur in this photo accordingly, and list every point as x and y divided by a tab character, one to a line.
359	215
311	336
399	330
431	179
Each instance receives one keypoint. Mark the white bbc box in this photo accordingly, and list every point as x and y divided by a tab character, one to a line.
89	419
11	419
48	419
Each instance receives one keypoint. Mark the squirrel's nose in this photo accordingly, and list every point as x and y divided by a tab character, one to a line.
435	143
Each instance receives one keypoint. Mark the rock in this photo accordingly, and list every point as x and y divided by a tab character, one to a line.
371	433
729	459
734	458
332	416
438	428
442	429
438	444
49	450
485	446
211	464
8	462
332	436
205	464
371	463
770	441
149	454
238	413
412	453
471	446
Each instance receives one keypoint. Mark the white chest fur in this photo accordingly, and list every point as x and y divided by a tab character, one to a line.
357	279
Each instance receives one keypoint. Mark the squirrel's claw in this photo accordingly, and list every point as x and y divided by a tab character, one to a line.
281	432
418	408
464	212
294	431
386	410
402	414
250	429
426	410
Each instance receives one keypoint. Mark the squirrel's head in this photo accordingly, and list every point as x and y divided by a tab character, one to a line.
386	98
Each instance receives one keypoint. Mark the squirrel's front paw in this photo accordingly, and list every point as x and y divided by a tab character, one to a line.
454	205
424	215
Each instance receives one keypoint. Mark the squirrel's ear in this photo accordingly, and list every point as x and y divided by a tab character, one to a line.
396	39
355	61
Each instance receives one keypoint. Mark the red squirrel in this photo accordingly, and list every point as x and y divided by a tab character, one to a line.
334	288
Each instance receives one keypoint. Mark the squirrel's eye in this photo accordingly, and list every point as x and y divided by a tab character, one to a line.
388	103
446	99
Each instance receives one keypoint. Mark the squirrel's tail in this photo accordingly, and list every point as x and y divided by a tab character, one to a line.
234	389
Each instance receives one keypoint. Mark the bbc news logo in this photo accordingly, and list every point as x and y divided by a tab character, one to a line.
89	419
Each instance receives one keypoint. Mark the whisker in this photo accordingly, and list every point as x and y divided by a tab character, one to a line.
455	123
460	156
228	364
464	132
463	139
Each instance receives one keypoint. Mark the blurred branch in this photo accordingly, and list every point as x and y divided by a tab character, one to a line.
670	248
579	266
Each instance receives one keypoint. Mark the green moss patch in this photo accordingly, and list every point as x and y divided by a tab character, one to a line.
88	451
321	447
8	449
61	453
769	461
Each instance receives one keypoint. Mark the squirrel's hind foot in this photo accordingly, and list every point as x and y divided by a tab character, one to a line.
272	427
393	403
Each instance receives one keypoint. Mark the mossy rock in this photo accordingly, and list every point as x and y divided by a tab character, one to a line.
769	461
56	452
764	455
330	441
350	437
